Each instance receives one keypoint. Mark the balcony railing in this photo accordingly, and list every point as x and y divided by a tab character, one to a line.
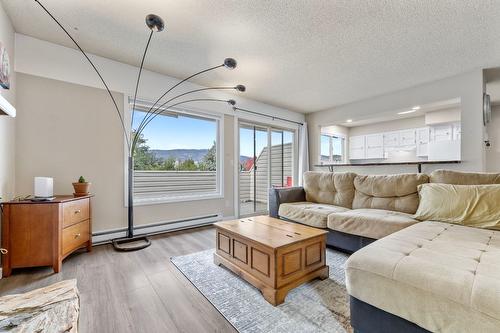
166	184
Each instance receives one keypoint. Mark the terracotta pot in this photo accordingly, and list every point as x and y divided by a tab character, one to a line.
81	189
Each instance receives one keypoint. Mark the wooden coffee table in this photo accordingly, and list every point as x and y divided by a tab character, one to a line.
273	255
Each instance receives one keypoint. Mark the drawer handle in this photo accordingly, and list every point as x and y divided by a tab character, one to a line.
77	235
4	251
78	211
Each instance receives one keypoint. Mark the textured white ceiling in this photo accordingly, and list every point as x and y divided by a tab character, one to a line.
303	55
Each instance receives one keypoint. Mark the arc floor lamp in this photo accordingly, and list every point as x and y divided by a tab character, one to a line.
155	24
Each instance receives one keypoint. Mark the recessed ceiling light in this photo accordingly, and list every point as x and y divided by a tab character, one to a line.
416	107
348	121
406	112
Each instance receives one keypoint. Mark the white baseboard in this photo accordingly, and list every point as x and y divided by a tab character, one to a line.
156	228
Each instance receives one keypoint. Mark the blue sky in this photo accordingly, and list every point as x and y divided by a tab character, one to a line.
178	133
190	133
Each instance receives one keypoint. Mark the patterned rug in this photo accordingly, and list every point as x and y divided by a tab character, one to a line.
317	306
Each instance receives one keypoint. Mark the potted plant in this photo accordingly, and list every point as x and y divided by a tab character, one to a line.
81	187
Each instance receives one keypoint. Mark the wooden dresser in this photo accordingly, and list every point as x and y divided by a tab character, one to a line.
44	233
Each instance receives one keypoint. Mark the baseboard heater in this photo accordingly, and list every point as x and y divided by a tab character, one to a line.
155	228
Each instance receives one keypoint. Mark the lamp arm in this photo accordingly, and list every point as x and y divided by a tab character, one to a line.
139	131
95	69
139	77
181	82
151	113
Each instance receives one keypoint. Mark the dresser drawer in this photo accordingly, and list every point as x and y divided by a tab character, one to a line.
74	236
75	211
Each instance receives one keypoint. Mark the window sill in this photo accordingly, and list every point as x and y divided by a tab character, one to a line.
164	200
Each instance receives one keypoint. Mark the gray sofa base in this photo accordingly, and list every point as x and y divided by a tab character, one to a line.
366	318
342	241
346	242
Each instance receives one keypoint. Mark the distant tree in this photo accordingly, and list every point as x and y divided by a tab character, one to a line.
144	159
188	165
209	161
168	164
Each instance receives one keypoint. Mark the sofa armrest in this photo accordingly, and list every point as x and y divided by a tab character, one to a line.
277	196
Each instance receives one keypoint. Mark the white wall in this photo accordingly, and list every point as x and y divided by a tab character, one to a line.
468	87
336	129
493	152
7	124
443	116
45	59
388	126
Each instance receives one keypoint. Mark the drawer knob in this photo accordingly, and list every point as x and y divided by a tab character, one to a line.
78	235
4	251
78	211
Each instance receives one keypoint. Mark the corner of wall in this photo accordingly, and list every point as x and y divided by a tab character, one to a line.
7	124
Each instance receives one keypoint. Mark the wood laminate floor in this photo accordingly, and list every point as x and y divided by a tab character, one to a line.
138	291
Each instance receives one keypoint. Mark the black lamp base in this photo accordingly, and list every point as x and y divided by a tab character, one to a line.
131	244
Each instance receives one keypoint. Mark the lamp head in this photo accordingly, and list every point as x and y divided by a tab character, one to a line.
155	23
231	102
240	88
230	63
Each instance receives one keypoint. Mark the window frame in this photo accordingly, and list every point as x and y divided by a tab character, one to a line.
219	144
330	148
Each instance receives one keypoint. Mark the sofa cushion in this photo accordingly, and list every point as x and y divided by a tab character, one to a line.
312	214
470	205
464	178
389	192
442	277
371	223
330	188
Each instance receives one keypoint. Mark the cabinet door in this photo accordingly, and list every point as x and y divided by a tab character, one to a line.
375	146
357	141
423	141
457	131
407	137
441	133
391	139
356	147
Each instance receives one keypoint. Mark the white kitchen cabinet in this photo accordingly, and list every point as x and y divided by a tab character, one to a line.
407	138
374	146
391	139
457	131
357	147
441	133
423	136
446	150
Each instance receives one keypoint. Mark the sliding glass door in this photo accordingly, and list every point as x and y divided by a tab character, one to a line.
266	160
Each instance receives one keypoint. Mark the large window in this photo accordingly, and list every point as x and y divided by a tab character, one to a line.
332	149
177	157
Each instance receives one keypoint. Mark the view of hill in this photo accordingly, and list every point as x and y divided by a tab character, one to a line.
184	154
181	154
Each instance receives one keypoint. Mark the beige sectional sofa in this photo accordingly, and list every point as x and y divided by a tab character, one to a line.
430	276
417	276
357	209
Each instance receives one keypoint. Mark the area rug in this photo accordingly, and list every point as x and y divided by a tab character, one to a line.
317	306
